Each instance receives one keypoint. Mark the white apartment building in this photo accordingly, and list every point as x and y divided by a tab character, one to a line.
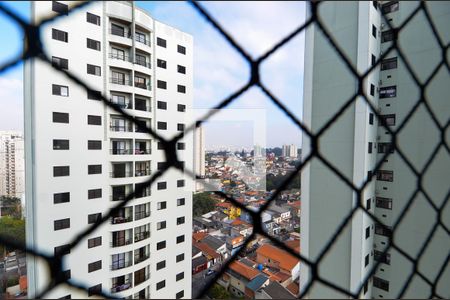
12	164
83	157
289	151
356	141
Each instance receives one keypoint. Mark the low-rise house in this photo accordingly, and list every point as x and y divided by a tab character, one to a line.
237	276
211	255
199	264
202	223
274	257
274	290
234	243
217	244
256	284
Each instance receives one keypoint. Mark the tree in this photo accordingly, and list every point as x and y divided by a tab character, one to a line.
203	203
273	182
218	292
11	206
12	229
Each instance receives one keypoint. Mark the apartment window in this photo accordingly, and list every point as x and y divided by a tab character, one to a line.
180	257
388	91
180	183
120	54
383	258
161	63
60	8
94	95
61	224
372	90
160	146
385	203
141	60
389	7
160	165
181	107
61	198
373	60
140	212
387	36
94	145
94	290
95	242
161	245
368	204
370	147
161	225
161	265
366	287
161	42
181	89
94	169
369	175
389	63
140	37
180	276
61	171
180	220
161	84
93	19
181	69
366	260
93	44
381	283
94	193
374	31
181	201
179	295
161	205
162	185
118	78
60	144
60	35
181	49
61	63
60	90
162	125
384	231
384	175
161	105
94	120
92	218
388	120
180	239
117	30
180	127
385	148
181	146
62	250
367	232
371	118
94	266
93	70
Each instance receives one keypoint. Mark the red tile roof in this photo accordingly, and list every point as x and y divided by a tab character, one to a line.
206	249
248	272
286	261
294	245
293	288
198	236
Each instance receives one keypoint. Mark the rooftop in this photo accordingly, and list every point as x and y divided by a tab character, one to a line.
244	270
285	260
213	242
277	291
257	282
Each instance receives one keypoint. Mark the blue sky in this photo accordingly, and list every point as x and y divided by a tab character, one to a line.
218	69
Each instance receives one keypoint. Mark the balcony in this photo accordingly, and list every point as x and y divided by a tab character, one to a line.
142	39
141	236
120	81
143	63
116	151
120	265
121	174
119	242
122	32
141	104
119	56
139	173
121	283
141	258
121	128
142	85
140	279
141	215
142	151
124	104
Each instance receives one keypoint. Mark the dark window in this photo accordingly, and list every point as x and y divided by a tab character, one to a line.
180	257
181	89
162	205
161	84
91	18
62	250
161	265
92	218
160	165
94	145
181	146
366	287
161	42
94	95
371	118
389	63
368	204
380	230
369	175
96	289
117	30
66	297
61	198
366	260
374	31
95	242
385	203
66	275
373	60
161	105
388	91
180	239
181	202
381	283
162	185
180	220
161	63
61	63
389	7
61	171
180	183
384	175
387	36
60	90
388	120
181	69
95	193
181	49
61	224
60	35
94	266
385	148
94	70
60	144
367	232
60	8
370	147
372	90
181	107
161	225
93	44
180	276
160	146
180	127
94	120
383	258
162	125
161	245
179	295
94	169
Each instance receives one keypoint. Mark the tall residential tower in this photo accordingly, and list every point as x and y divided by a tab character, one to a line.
12	167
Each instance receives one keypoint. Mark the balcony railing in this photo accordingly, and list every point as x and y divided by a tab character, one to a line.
143	63
120	220
142	258
118	197
141	107
121	174
120	287
139	173
119	32
121	151
121	128
120	81
120	56
141	280
144	193
142	151
141	215
142	40
121	242
118	266
141	236
142	85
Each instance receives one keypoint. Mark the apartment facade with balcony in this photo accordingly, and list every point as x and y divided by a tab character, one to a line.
84	158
